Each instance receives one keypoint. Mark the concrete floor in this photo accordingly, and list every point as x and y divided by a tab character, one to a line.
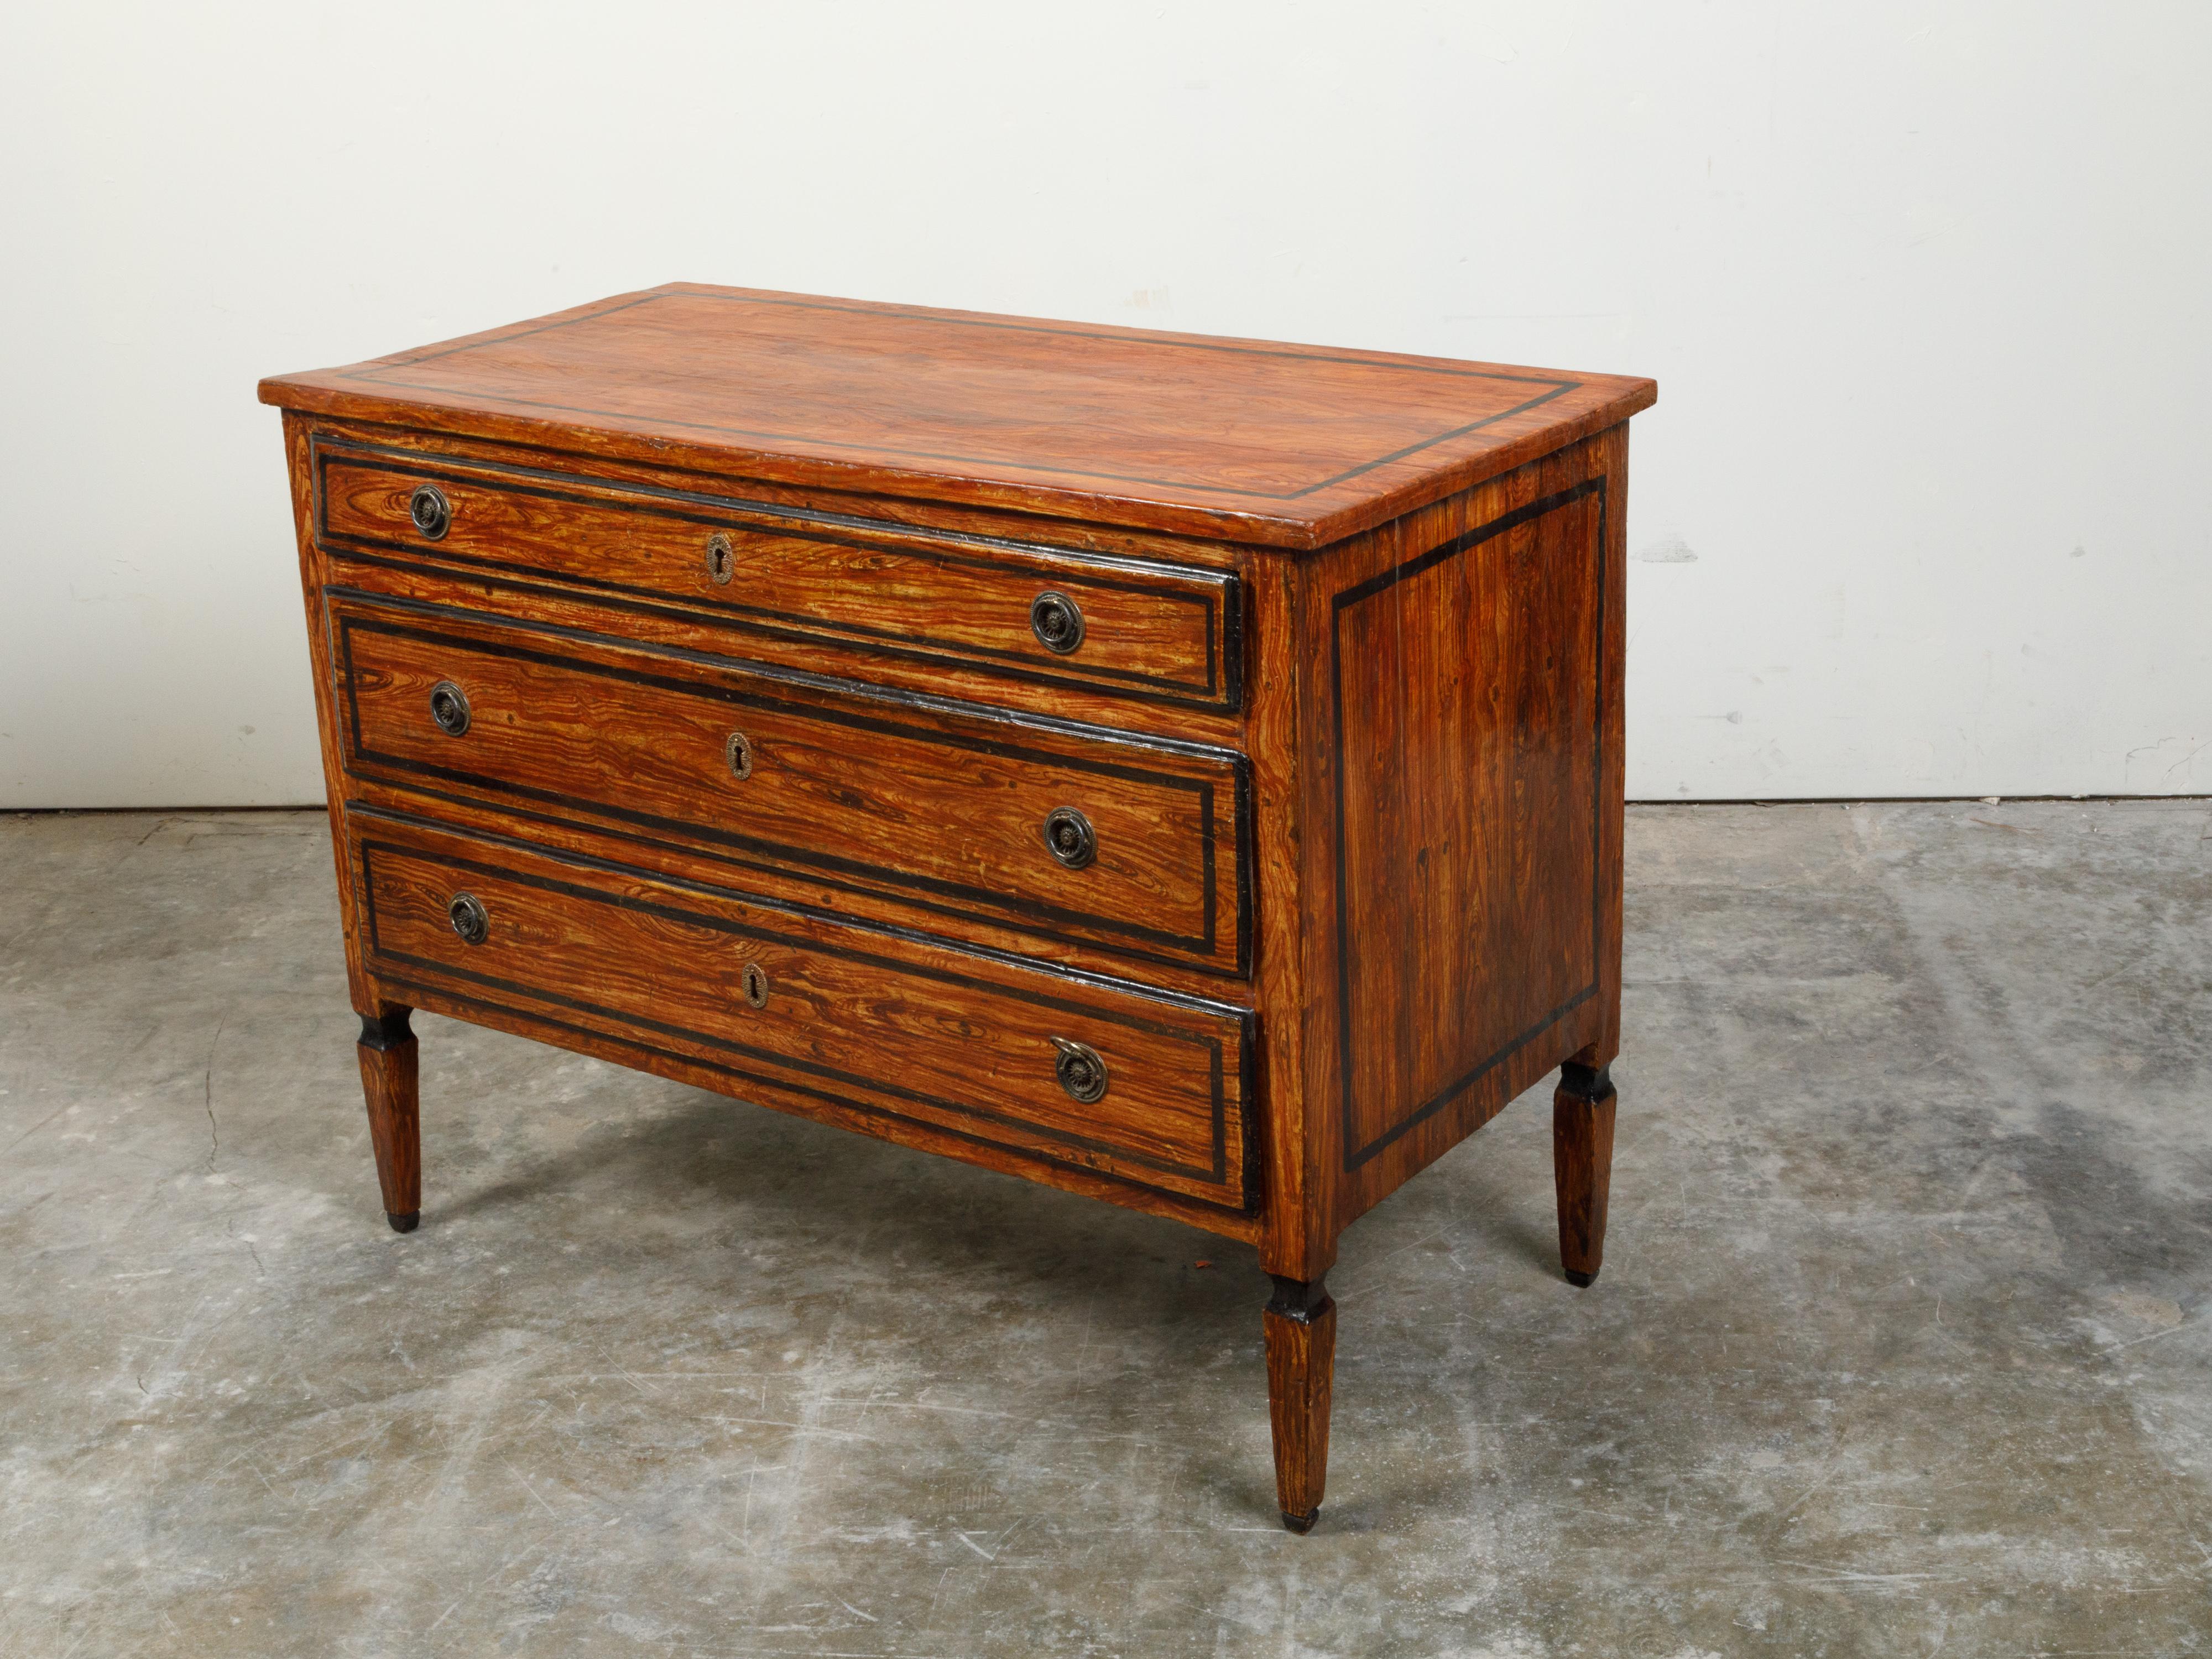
1902	1344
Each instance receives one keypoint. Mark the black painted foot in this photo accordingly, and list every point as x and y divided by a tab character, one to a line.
404	1224
1301	1524
1581	1281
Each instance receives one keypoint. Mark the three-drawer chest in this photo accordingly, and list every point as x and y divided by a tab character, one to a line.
1185	771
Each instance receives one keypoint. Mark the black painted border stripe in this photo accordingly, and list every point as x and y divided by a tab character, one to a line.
481	573
1344	601
441	994
1203	944
860	693
385	376
1209	1043
1239	969
780	516
1219	605
844	920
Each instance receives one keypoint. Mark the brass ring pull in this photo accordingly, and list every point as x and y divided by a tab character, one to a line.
1069	837
431	512
449	707
471	920
1080	1070
1057	621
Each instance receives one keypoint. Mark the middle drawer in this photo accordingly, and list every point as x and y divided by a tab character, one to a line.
908	803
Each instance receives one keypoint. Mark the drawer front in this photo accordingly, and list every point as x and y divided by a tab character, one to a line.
936	816
1142	1088
1127	627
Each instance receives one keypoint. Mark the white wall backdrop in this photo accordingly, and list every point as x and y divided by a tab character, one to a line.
1925	506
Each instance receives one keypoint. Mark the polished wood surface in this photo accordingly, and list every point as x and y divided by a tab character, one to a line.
1465	725
964	1045
686	702
390	1076
858	789
1582	1108
1158	632
1459	876
1299	1324
1279	444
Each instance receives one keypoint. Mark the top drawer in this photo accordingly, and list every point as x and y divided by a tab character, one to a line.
1121	627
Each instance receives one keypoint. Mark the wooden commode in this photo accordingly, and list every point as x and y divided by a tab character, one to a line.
1185	771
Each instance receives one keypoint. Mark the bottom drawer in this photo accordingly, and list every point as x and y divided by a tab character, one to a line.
1147	1088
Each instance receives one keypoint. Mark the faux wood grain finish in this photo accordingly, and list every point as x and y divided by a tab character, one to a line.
644	1051
1346	721
389	1074
1279	445
1582	1108
1300	1326
1292	766
1465	715
955	1044
808	499
916	812
1155	632
1461	737
313	568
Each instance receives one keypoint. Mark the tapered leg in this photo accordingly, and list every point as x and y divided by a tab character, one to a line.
1581	1165
1301	1327
388	1079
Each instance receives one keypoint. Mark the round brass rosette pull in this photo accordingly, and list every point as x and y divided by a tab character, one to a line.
449	707
1080	1070
431	512
469	919
1057	622
1069	837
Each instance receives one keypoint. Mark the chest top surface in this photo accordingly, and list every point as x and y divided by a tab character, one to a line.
1283	445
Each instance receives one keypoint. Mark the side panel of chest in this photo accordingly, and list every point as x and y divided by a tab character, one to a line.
1464	889
1464	696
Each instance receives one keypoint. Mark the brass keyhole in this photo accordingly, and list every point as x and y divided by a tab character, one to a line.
754	983
740	752
721	558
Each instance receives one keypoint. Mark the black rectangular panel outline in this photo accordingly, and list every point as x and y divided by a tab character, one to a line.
1211	1043
384	375
1355	1156
364	809
1222	689
438	997
694	851
996	909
